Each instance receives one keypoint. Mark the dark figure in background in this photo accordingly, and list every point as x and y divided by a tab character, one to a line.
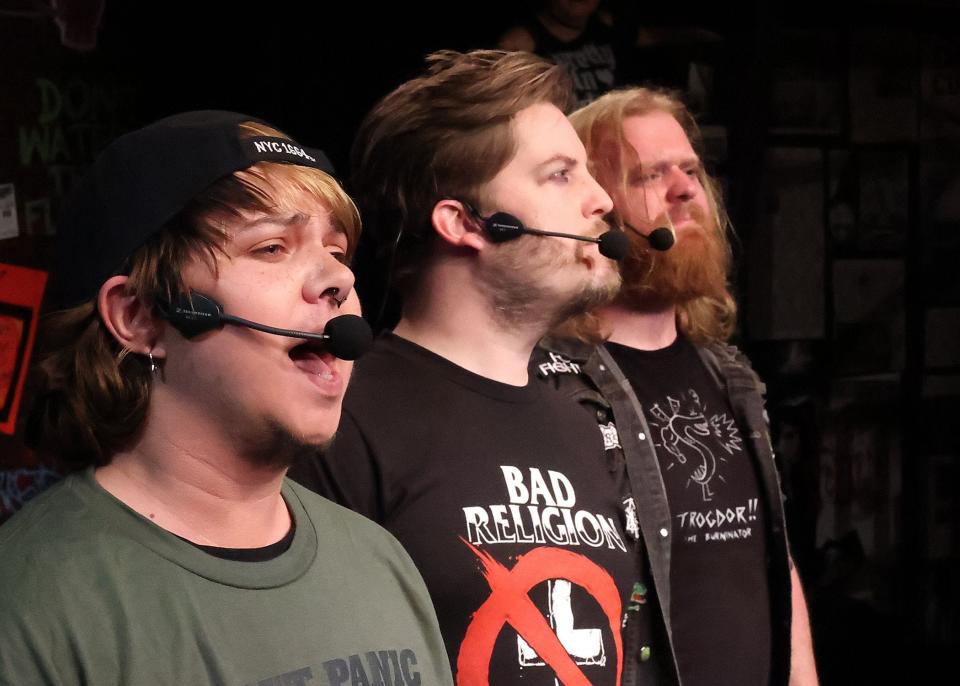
686	407
179	553
577	36
501	490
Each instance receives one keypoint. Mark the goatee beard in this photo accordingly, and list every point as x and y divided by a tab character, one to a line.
520	299
278	447
695	267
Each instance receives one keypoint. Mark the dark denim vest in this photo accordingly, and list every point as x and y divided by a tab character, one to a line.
595	380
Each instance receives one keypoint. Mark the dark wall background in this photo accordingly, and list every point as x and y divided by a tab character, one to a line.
835	127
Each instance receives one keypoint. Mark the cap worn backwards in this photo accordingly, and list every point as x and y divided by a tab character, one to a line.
144	179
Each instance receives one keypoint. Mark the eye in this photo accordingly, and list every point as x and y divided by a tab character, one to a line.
274	249
561	175
340	256
336	245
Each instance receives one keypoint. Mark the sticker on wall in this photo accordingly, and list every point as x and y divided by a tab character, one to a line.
21	291
8	212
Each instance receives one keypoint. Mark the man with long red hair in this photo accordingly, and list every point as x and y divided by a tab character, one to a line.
683	408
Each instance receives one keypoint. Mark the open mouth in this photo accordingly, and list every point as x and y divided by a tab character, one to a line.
313	358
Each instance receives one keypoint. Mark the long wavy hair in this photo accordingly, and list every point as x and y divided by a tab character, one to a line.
600	127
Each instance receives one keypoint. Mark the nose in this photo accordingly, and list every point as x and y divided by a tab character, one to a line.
681	186
329	279
597	202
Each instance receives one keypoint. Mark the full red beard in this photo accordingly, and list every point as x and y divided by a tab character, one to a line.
695	267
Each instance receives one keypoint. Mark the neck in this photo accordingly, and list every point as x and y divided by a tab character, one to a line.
448	317
640	329
196	489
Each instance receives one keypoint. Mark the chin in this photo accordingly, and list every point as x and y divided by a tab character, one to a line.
281	444
606	286
319	433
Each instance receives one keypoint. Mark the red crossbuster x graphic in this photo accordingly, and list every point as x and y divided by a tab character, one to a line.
509	603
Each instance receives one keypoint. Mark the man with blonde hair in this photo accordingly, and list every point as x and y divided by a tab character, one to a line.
501	490
177	552
683	407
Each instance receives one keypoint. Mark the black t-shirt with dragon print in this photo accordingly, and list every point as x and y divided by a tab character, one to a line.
719	591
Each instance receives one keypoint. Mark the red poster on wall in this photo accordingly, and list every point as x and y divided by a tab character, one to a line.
21	291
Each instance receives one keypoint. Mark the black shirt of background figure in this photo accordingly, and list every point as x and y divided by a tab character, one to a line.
591	59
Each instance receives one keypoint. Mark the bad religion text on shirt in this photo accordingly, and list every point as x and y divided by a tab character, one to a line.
540	508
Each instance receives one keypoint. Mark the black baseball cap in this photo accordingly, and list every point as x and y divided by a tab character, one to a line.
144	179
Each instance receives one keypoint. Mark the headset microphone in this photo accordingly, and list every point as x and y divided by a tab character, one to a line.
660	239
346	337
501	227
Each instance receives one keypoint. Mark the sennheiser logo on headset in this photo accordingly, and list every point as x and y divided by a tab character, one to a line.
191	312
278	146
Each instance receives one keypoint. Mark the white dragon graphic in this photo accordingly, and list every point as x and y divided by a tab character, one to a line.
682	430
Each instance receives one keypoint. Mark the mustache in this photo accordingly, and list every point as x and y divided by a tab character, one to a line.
661	220
639	233
601	226
644	228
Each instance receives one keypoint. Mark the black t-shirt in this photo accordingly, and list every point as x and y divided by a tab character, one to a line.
590	59
508	503
262	554
719	590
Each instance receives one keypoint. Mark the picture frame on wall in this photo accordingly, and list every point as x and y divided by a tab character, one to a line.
806	90
884	85
869	316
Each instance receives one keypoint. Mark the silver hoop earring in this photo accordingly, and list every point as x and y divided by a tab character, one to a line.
153	363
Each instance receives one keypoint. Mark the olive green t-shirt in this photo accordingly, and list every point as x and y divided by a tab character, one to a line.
93	593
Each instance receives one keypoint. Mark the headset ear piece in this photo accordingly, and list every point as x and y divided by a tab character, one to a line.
501	227
192	314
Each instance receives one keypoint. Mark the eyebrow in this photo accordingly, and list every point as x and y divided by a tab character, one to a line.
282	219
692	160
286	220
560	157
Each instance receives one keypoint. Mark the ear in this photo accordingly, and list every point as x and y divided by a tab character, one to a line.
129	318
456	225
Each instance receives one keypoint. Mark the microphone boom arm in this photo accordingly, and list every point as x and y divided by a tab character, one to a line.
538	232
231	319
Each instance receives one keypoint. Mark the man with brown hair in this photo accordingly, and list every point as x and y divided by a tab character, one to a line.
500	490
180	554
684	407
